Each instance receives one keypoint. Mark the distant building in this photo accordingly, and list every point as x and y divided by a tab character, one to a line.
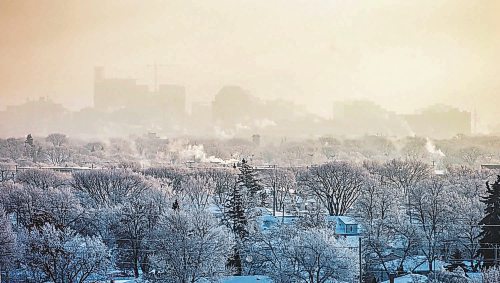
167	104
361	117
39	117
116	93
232	105
358	118
440	121
256	140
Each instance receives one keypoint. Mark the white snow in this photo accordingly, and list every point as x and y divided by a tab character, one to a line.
415	264
410	278
247	279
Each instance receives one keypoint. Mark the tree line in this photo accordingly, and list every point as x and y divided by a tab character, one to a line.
185	224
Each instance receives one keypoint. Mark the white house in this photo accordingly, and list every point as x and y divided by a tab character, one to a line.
345	225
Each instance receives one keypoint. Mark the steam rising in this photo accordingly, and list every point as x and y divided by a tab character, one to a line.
197	153
431	148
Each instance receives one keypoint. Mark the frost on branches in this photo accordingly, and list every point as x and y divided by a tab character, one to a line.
304	255
189	246
63	256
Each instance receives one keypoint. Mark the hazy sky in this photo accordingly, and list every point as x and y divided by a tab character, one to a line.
404	54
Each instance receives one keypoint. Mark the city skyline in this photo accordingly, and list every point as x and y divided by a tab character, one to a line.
404	56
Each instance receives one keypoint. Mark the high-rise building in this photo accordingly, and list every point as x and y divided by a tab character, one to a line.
164	106
440	121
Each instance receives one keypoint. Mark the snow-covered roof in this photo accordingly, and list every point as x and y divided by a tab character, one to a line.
345	219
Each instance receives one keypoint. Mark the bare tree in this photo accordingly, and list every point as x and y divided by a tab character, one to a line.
470	155
190	246
468	186
136	219
56	139
12	148
304	255
42	179
198	189
336	184
57	155
385	227
7	243
430	203
225	180
167	176
109	187
403	173
64	256
282	183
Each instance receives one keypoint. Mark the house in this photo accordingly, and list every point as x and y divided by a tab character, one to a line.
345	225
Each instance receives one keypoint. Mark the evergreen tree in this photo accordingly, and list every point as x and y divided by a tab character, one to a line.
237	222
489	238
249	183
29	148
175	205
29	140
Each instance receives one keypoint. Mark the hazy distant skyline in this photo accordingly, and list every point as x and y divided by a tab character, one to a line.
403	55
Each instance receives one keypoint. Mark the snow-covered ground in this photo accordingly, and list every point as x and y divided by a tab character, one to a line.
229	279
410	278
247	279
415	264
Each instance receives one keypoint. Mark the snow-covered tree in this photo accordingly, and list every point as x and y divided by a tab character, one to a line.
57	155
468	186
43	179
12	148
108	187
465	229
189	247
336	184
57	139
282	182
167	176
430	203
32	207
404	174
313	255
197	190
489	238
135	220
7	243
250	185
386	228
63	256
225	180
491	275
237	221
456	276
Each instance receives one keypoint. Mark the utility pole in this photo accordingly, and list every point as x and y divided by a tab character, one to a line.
283	206
274	190
360	267
496	254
